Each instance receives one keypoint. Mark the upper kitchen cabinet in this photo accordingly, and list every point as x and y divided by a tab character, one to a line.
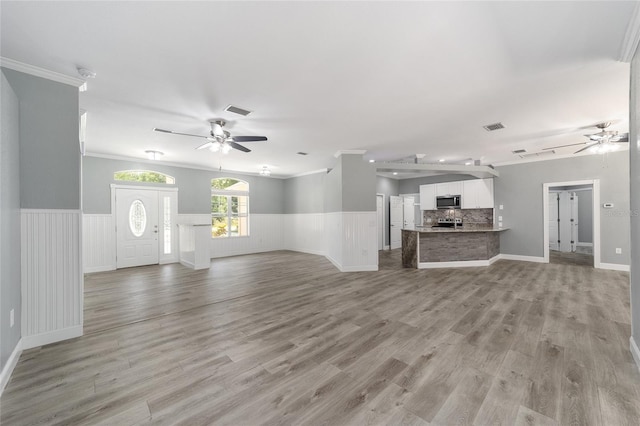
448	188
427	197
477	194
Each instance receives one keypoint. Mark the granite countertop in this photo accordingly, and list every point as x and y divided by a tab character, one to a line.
429	229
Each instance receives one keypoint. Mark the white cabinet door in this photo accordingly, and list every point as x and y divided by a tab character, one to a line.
470	193
485	194
427	197
449	188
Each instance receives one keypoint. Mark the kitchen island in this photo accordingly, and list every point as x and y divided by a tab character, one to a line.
441	247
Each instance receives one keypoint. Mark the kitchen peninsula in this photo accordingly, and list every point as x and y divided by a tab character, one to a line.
438	247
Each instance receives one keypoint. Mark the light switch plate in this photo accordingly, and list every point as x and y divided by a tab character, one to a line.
501	207
618	250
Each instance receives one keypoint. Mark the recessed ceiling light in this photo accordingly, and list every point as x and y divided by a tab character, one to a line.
395	173
468	163
85	73
153	155
441	160
372	161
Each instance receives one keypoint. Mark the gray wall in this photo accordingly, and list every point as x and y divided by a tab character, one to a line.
49	145
519	189
304	194
634	161
194	186
358	184
388	187
333	189
9	220
585	216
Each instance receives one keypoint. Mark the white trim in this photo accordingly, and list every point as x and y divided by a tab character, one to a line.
579	244
54	211
378	194
458	264
535	159
635	352
386	247
313	172
614	267
349	151
363	268
596	216
334	262
40	72
144	188
520	258
42	339
5	376
316	252
631	37
92	269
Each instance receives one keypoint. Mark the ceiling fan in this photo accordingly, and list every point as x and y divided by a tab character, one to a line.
220	139
601	142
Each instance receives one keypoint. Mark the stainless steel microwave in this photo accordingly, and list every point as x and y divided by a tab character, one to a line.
448	202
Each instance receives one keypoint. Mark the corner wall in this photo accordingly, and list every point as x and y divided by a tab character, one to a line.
634	178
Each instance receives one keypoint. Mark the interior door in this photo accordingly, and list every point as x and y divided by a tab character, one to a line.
380	217
554	236
574	221
395	220
136	227
409	212
564	213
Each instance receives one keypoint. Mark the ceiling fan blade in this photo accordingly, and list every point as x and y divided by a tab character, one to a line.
563	146
239	147
205	145
249	138
178	133
624	137
585	148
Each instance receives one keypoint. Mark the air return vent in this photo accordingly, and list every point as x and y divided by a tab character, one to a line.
237	110
302	153
494	126
519	151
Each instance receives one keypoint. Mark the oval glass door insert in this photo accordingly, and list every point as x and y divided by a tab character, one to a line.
137	218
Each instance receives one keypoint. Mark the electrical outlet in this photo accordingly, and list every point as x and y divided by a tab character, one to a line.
501	207
428	220
11	318
618	250
499	218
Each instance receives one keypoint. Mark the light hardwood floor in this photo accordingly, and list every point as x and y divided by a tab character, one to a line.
284	338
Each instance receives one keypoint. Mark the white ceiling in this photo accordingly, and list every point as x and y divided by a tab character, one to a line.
390	78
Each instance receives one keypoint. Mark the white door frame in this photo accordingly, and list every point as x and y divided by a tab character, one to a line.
596	216
174	249
381	229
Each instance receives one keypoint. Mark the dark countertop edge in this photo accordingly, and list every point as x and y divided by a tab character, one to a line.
429	230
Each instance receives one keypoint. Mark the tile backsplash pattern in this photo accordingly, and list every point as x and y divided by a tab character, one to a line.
470	217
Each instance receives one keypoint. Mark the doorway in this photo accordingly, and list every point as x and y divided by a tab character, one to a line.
572	222
380	220
396	218
145	225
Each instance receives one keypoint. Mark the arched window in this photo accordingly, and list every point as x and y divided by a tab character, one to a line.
143	176
229	208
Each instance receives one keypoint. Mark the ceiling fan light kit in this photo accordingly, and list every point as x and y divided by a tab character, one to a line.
265	171
599	143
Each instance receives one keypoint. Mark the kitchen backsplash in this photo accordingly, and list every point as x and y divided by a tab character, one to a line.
470	217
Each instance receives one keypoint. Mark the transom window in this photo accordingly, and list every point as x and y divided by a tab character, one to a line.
229	208
143	176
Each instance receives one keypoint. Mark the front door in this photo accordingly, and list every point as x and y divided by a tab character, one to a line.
136	227
395	219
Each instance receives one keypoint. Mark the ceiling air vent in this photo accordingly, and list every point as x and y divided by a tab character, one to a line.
519	151
302	153
538	154
237	110
494	126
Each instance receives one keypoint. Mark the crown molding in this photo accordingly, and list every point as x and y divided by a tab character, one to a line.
40	72
349	151
631	37
313	172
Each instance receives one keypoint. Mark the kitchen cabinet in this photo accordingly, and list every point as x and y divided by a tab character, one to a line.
477	194
427	197
448	188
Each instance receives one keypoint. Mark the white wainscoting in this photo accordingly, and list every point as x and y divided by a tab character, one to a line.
265	234
52	279
304	232
359	241
333	238
98	243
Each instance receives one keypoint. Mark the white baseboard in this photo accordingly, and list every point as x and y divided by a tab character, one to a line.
299	250
335	263
615	267
386	247
520	258
635	351
361	268
10	365
92	269
42	339
458	263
